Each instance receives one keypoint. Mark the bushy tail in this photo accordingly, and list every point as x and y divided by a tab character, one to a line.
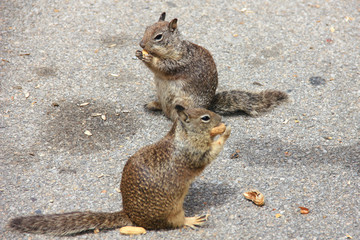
69	223
228	102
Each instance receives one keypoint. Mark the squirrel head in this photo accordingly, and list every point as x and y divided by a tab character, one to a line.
162	38
197	121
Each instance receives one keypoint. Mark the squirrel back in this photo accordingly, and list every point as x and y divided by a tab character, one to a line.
154	182
185	73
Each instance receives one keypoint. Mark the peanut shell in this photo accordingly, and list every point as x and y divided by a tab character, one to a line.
256	197
130	230
218	129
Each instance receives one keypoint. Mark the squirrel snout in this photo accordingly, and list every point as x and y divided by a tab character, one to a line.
142	44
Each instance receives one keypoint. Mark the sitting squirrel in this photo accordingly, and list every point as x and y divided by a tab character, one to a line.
185	73
154	182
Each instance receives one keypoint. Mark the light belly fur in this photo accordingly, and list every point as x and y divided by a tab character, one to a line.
170	92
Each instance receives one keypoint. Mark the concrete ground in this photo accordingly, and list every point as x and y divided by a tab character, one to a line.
66	63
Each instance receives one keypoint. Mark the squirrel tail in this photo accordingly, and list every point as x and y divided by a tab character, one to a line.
228	102
69	223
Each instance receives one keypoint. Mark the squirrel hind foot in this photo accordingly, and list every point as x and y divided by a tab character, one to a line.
195	222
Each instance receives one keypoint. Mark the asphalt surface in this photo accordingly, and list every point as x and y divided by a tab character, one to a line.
66	63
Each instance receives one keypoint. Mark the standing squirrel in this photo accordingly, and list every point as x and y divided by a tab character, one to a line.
154	182
185	73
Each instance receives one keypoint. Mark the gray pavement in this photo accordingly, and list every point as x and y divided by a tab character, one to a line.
65	62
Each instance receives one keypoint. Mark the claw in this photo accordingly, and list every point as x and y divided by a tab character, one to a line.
195	222
204	218
147	58
139	54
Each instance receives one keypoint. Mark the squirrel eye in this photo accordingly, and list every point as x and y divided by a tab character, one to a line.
205	118
158	37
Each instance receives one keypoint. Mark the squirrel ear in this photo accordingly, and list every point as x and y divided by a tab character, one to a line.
162	17
182	114
173	25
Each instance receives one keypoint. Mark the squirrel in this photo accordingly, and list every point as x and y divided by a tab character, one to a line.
185	73
154	183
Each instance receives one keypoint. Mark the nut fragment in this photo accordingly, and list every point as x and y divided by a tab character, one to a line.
304	210
256	197
88	133
84	104
144	52
96	114
219	129
236	154
130	230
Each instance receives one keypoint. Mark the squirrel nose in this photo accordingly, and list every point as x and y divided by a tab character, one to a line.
142	44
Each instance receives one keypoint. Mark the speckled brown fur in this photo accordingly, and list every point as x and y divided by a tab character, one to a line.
185	73
154	183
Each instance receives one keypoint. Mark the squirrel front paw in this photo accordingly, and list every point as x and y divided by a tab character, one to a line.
219	143
147	57
139	54
143	57
227	132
